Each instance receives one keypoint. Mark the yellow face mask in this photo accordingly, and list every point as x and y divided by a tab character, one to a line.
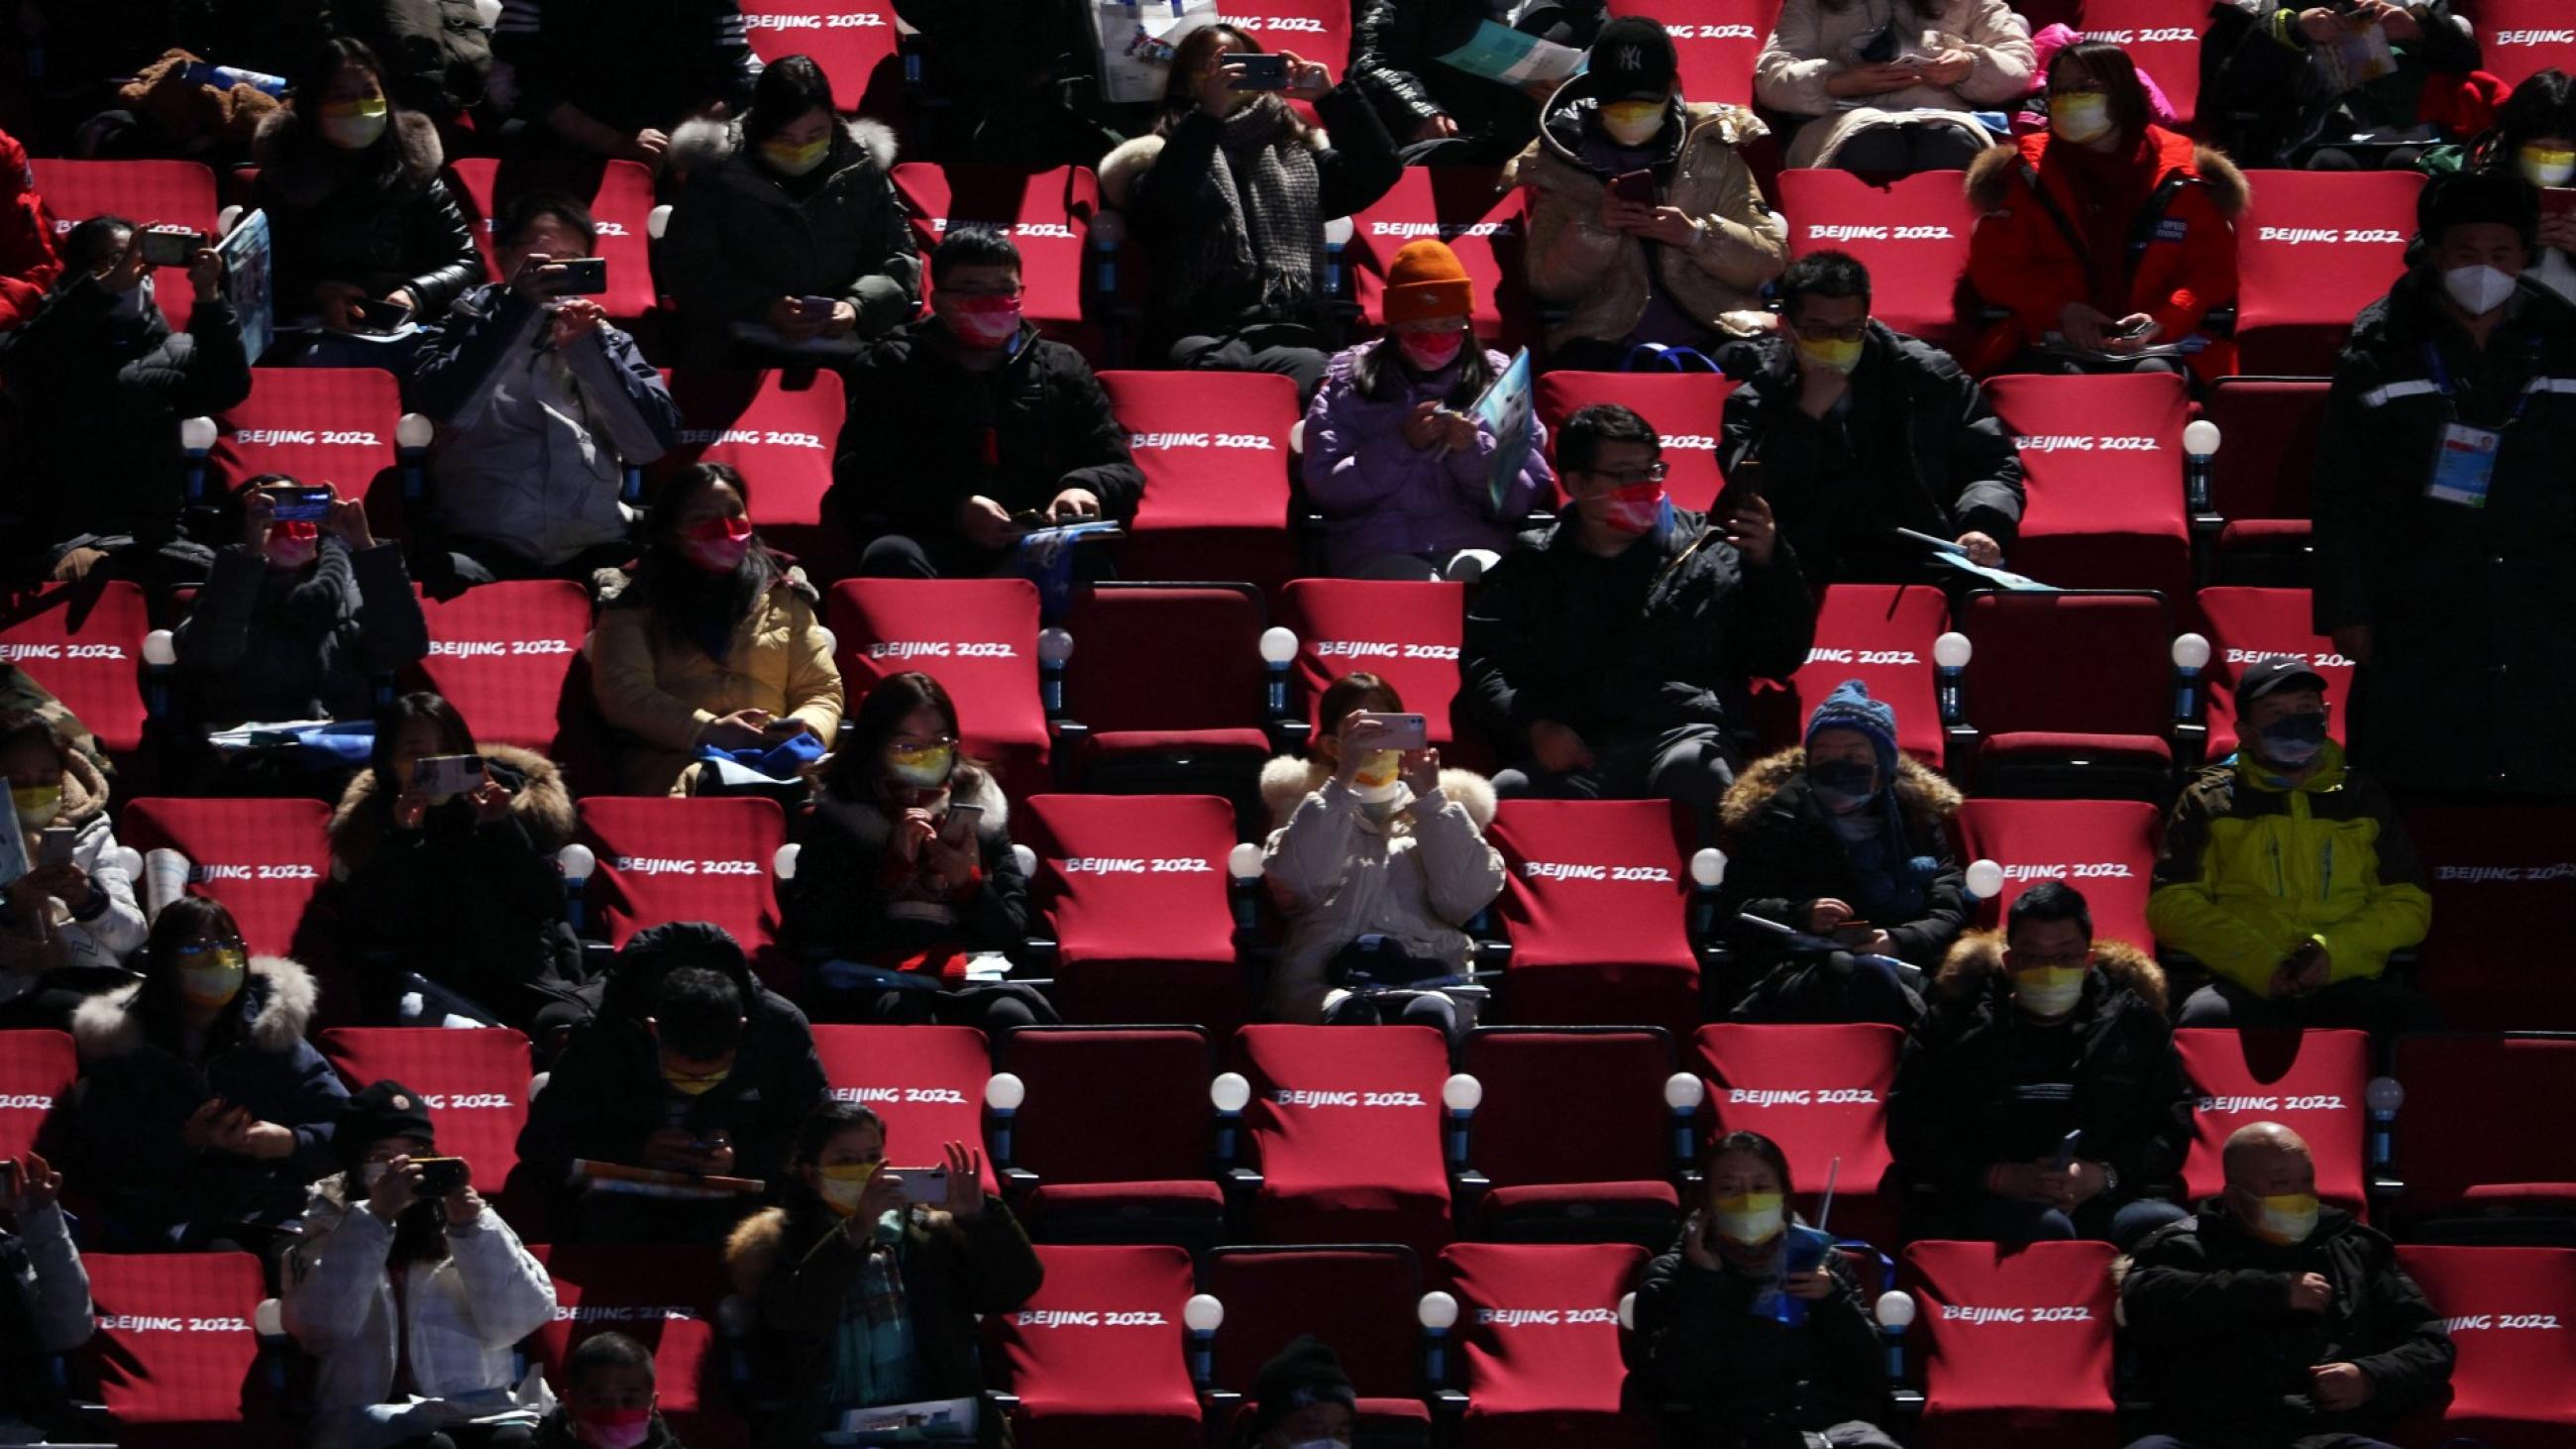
2079	118
2544	167
2048	991
1752	1219
1632	123
1833	354
842	1186
37	805
790	159
690	1084
2286	1219
212	976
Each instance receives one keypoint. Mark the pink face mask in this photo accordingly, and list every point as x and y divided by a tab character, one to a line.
1431	353
292	545
717	544
985	322
1633	509
616	1429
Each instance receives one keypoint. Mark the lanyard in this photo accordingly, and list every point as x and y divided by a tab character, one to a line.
2442	381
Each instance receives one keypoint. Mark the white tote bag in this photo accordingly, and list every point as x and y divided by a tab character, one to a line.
1137	41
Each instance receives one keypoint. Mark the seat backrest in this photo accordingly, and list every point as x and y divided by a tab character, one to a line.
1685	408
1406	634
2014	1337
779	428
2310	1082
146	193
1047	214
1537	1125
2103	848
1158	657
1460	205
927	1082
1538	1324
86	645
703	858
853	40
174	1346
36	1068
665	1297
265	860
314	424
2457	1082
2102	460
1213	447
1360	1299
2511	1314
1818	1091
1912	235
1111	1104
1715	40
2503	879
1134	877
1593	881
2246	626
474	1083
2518	39
501	653
619	206
1103	1333
2162	36
977	637
2312	249
1328	1104
2268	429
2072	663
1879	634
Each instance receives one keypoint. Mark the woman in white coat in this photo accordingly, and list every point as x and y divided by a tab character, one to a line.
1891	85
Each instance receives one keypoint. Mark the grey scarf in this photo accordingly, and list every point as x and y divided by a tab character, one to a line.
1268	179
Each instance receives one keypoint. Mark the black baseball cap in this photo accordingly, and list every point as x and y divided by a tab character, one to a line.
1632	60
2273	675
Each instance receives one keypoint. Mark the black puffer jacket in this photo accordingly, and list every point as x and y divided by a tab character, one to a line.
838	905
1731	1374
265	645
1394	50
2207	1306
1918	448
1783	857
380	219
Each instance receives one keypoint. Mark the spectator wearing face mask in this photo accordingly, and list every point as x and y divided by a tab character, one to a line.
866	1297
1743	1350
966	423
542	406
790	240
405	1295
62	922
2534	138
48	1311
609	1400
2040	1097
1846	839
1396	458
1302	1399
27	262
2288	874
1645	223
714	643
2293	84
201	1113
1891	89
2268	1319
102	379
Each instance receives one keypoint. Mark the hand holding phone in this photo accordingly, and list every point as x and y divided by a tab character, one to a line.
300	503
1637	188
923	1186
169	246
441	776
440	1176
1257	72
57	845
1396	731
578	277
957	828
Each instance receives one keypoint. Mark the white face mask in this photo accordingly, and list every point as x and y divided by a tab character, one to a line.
2479	290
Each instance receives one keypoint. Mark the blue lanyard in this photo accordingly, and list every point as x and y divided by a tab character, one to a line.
2442	380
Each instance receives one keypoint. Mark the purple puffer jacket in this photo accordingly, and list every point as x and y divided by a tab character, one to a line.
1380	495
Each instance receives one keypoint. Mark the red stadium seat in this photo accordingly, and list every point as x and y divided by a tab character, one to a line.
1821	1093
1047	214
707	858
927	1082
2313	249
2016	1340
779	428
147	193
619	207
1359	1299
1716	40
1318	30
853	40
1214	450
2258	482
2489	1124
1116	1127
2310	1082
1095	1357
664	1296
1595	907
1539	1338
316	425
474	1082
502	654
86	645
1880	634
2103	848
2072	693
1460	205
977	637
36	1067
2162	36
2518	39
2504	884
176	1360
265	860
2511	1313
2247	625
1912	235
2102	459
1168	681
1406	634
1345	1128
1685	408
1573	1165
1134	891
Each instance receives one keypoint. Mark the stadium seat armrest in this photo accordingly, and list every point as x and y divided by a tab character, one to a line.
1492	956
1909	1402
1003	1403
598	957
1959	747
2190	745
1448	1404
1240	1181
1467	1187
1219	1406
1018	1182
1040	954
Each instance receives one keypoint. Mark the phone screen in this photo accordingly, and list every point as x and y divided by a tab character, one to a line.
1260	72
447	774
583	277
58	846
1637	187
2558	201
169	247
957	827
302	505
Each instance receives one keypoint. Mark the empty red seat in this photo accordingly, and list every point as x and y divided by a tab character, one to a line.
502	654
2248	625
1168	682
175	1357
265	860
1683	406
86	645
36	1067
2102	460
1715	40
2312	250
147	193
2503	880
1595	903
474	1082
619	208
2310	1082
1539	1343
977	637
1462	205
1573	1165
1134	891
664	1296
2016	1340
1116	1127
2162	36
1821	1093
780	429
2104	848
1047	214
1095	1357
1213	447
1360	1299
853	40
1912	235
2489	1123
2518	39
1406	634
2511	1313
2258	481
1344	1127
704	858
2072	692
1880	634
926	1082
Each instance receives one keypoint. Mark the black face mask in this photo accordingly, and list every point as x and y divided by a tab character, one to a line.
1847	778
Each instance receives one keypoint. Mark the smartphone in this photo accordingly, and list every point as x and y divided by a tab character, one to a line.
927	1186
1260	72
1635	187
2558	201
2066	1149
373	316
1880	48
447	774
169	246
57	845
440	1176
1405	731
583	277
2135	329
957	827
1850	927
300	504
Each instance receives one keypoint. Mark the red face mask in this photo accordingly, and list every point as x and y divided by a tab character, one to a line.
984	322
717	544
1430	354
1633	509
292	545
614	1429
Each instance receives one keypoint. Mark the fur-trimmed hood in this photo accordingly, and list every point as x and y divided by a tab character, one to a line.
698	148
754	1246
543	803
1990	176
1288	779
85	795
1978	957
279	998
1928	798
1123	169
289	161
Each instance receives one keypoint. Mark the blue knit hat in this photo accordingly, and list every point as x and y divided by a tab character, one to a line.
1849	707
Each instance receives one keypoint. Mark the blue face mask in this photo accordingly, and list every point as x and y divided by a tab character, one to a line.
2295	739
1843	786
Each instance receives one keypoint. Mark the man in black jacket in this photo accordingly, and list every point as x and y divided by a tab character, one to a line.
2268	1322
964	424
1859	431
1604	654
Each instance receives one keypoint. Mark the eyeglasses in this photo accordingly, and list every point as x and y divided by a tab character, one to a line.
1851	332
203	950
1625	477
914	744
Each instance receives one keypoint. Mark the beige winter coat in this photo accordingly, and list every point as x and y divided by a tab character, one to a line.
1338	875
661	697
1814	43
1601	274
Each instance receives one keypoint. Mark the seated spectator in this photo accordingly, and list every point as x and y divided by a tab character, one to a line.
608	1399
49	1310
2442	584
2534	138
542	406
967	427
866	1297
1016	81
101	381
1890	90
1601	653
1229	197
893	891
2268	1319
412	1299
1859	431
201	1113
615	78
2344	86
713	645
2040	1097
356	210
1396	458
1729	1362
27	262
300	620
1849	840
2153	254
1377	857
1302	1398
403	862
1438	112
81	906
790	239
691	1065
1668	263
2288	874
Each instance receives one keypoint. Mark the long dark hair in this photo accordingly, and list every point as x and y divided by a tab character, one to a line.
157	1002
857	771
382	160
1752	1144
1352	691
788	87
454	736
2118	74
688	604
2542	105
1379	372
829	1119
1195	52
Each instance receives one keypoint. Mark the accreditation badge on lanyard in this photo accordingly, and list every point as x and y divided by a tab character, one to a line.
2464	457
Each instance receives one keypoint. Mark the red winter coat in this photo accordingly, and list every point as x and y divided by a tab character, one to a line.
2021	259
27	264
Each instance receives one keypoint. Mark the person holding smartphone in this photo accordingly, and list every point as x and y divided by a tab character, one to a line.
867	1280
1891	87
51	1312
408	1290
75	911
2534	137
